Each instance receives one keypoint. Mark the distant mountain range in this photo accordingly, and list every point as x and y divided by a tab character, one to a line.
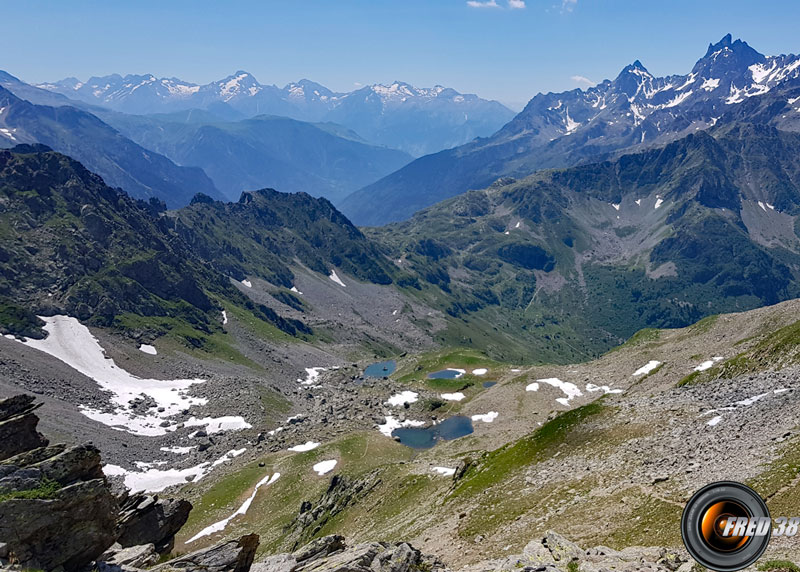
264	151
122	163
415	120
633	111
130	151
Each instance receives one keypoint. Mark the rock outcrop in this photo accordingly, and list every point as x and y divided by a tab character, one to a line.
554	553
56	508
231	556
332	554
58	512
342	492
148	519
18	426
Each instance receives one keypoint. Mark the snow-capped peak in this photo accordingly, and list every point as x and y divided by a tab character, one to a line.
240	83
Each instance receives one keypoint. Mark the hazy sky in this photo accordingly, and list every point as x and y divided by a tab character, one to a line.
500	49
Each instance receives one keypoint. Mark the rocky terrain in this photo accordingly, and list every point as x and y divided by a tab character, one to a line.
623	440
58	513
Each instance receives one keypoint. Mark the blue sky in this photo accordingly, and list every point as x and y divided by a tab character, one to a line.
501	49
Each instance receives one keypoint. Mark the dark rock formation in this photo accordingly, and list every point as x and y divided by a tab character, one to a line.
147	519
56	509
342	492
142	556
231	556
69	530
18	426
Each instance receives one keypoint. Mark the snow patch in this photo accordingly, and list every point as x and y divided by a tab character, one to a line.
659	202
156	480
571	391
710	84
392	424
480	371
72	343
148	349
247	283
453	396
707	364
403	398
444	471
218	424
570	124
486	417
680	98
735	405
616	206
312	375
647	368
307	446
335	278
592	388
228	456
325	467
224	317
295	290
179	450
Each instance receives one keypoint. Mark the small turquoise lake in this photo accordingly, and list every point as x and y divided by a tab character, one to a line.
447	430
446	374
381	369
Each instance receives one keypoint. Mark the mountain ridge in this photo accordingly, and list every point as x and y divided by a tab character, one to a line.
121	162
264	152
383	114
557	130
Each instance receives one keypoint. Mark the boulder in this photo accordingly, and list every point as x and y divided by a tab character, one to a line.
319	548
560	548
18	426
276	563
143	556
231	556
147	519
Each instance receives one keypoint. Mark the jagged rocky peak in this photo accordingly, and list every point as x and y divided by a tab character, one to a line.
727	57
632	77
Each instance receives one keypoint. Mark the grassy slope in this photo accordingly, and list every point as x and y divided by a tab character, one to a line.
494	493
